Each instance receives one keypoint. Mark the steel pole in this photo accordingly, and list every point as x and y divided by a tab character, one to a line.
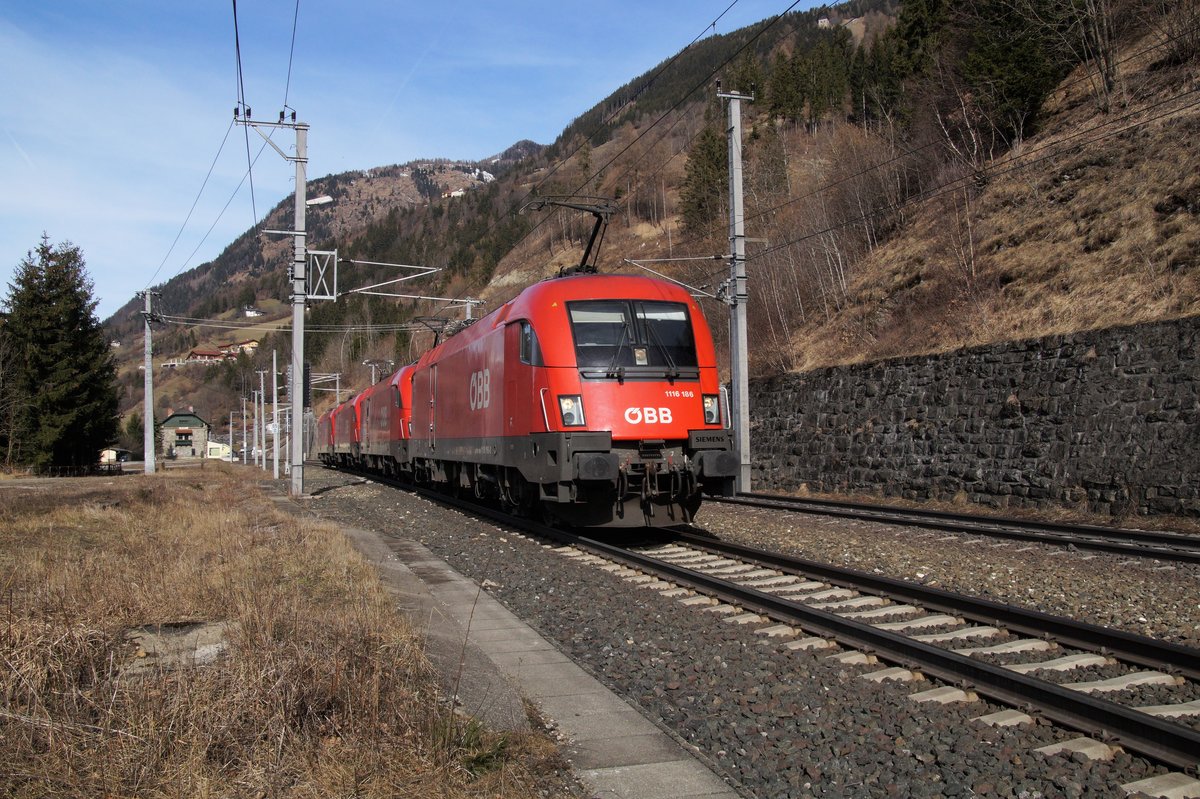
148	402
739	349
275	409
262	422
254	446
299	276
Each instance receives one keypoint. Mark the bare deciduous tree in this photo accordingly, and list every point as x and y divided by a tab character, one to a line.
1086	29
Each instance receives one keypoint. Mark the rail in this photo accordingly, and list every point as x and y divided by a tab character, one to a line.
1177	547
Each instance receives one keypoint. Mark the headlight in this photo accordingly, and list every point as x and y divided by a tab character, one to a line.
571	409
712	409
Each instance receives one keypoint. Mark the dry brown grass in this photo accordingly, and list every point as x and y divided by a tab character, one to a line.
324	689
1073	232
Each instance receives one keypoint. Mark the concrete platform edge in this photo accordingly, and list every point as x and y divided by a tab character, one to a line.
597	723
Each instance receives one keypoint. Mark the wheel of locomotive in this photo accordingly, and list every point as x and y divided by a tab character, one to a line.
517	496
453	478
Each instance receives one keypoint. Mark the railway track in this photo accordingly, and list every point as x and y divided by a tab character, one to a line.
891	619
1175	547
923	631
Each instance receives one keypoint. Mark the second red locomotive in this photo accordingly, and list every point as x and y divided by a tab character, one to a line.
594	399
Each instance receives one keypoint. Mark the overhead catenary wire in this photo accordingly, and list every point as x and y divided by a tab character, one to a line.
607	119
219	324
558	166
907	153
699	85
242	105
704	82
191	210
224	208
958	183
763	29
621	106
291	54
241	91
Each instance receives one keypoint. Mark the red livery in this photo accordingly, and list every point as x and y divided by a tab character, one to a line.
594	399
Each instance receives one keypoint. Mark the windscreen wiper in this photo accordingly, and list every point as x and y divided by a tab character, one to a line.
672	370
614	370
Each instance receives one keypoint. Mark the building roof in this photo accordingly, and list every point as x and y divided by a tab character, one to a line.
184	419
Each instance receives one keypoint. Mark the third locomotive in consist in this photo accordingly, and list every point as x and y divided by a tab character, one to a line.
593	399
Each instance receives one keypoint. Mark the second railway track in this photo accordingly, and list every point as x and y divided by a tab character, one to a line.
1165	546
791	591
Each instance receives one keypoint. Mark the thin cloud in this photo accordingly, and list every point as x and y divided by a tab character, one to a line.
20	150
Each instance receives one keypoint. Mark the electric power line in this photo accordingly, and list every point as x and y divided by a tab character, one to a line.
241	88
291	53
956	184
654	124
220	324
193	208
712	230
224	208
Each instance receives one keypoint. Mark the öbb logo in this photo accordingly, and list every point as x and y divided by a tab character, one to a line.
648	415
481	389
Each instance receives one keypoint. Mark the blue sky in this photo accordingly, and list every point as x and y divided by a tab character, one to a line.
113	112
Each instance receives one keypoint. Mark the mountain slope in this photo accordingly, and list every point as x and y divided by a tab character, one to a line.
876	229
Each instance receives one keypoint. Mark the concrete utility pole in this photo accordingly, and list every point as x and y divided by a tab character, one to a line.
261	440
299	288
148	401
254	426
275	410
299	279
243	429
739	351
287	437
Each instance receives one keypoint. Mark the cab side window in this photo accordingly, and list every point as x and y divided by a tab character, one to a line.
531	353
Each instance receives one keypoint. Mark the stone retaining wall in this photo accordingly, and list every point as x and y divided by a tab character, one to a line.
1107	419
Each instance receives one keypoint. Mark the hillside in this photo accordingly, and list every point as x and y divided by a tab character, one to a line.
1092	222
893	205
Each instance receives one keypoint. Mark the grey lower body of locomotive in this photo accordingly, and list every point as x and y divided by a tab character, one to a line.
585	478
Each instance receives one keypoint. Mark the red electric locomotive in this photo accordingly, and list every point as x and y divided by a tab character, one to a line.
347	431
595	398
322	446
386	418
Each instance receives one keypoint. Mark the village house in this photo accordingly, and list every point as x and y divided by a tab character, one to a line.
214	355
185	435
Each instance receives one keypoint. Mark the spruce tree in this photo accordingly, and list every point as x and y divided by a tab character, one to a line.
1010	64
64	372
705	185
785	89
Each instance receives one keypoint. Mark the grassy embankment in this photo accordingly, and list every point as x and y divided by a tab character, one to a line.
322	690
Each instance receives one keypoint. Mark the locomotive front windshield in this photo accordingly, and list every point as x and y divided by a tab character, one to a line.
623	334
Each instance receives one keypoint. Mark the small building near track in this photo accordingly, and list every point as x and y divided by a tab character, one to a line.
115	455
185	435
219	451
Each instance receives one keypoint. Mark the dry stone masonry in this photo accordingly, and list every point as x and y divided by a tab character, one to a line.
1107	420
